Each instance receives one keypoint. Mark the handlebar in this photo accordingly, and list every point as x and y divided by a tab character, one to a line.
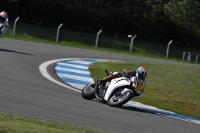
127	76
106	71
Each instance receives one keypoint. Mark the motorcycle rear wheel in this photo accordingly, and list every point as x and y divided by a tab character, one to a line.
88	92
116	101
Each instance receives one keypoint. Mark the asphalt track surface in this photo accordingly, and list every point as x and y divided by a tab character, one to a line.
23	90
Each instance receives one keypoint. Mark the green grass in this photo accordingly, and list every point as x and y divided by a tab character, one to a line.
137	51
10	123
171	87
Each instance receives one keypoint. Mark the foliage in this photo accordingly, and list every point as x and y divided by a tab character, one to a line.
184	12
175	20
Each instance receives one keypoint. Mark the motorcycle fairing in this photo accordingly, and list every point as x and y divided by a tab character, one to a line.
116	83
1	24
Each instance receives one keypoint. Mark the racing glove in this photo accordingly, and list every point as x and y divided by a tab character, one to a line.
138	93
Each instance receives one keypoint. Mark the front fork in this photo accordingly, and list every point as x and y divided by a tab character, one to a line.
100	91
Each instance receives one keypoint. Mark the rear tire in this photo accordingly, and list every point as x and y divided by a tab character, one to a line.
122	99
88	92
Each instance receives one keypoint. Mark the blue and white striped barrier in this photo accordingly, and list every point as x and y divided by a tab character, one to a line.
75	73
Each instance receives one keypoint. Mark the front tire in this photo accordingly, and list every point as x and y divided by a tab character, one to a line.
88	92
117	101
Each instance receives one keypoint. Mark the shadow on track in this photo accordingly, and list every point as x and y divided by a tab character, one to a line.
136	109
13	51
124	107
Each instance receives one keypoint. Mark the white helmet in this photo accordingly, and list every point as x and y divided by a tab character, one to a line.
141	72
3	15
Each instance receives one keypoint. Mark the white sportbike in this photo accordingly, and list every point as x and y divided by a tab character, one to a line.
1	26
115	93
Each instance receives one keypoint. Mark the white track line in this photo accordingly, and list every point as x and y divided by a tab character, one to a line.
43	70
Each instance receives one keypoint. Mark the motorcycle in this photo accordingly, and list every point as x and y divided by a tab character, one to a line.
1	26
115	93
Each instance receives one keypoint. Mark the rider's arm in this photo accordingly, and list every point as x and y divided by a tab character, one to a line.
131	73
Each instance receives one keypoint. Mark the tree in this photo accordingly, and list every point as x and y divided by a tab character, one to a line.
184	12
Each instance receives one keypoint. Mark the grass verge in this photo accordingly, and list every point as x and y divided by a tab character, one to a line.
137	52
171	87
10	123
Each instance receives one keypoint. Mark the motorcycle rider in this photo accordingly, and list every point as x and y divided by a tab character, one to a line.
139	83
4	21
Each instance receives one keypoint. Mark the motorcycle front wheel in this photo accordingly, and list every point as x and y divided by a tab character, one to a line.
88	92
117	100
